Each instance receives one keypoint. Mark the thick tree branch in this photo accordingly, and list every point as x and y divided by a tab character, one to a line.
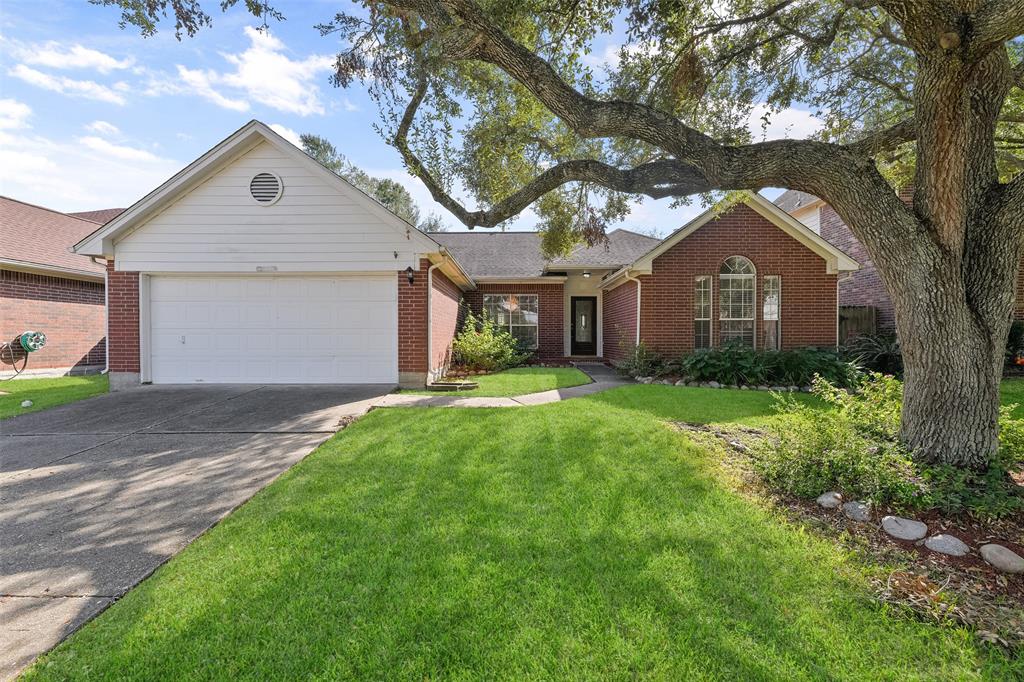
996	22
885	140
656	179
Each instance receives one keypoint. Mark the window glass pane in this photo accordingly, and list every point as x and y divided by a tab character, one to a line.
771	335
702	298
702	333
497	308
738	330
526	335
771	297
523	308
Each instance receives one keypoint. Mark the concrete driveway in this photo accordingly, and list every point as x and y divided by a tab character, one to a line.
95	495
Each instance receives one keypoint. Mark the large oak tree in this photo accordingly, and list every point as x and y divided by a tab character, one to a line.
506	103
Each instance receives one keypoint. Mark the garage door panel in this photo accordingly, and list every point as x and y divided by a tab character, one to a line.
273	329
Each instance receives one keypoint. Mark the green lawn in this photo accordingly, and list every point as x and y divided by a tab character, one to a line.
1013	394
522	380
577	540
45	393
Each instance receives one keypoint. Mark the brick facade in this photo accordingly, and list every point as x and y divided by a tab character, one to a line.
550	312
412	322
444	320
865	286
619	320
123	312
809	297
69	311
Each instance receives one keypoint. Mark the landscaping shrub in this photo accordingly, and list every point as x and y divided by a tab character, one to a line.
853	447
641	361
735	363
876	353
481	345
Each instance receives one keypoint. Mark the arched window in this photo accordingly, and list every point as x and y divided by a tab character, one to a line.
736	280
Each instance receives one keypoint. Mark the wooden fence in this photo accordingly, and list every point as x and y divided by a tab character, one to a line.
856	320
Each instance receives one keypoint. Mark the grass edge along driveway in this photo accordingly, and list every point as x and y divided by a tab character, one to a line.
518	381
48	392
577	540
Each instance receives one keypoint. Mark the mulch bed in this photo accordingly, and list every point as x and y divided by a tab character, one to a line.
962	590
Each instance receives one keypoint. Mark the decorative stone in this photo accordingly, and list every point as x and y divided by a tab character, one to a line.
857	511
793	389
830	500
681	382
778	389
667	382
645	380
763	388
714	384
744	387
904	529
693	384
947	544
1002	558
806	389
27	403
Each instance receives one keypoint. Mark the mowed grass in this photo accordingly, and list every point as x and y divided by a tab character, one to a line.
1012	393
46	393
577	540
520	381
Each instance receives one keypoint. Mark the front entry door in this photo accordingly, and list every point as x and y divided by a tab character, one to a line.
584	325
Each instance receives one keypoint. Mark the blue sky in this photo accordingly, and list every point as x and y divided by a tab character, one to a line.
92	116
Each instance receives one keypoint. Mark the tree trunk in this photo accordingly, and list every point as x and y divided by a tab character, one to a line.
951	385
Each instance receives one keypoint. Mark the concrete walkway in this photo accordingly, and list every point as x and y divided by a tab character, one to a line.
603	378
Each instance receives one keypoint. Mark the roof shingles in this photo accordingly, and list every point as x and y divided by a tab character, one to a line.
518	254
43	237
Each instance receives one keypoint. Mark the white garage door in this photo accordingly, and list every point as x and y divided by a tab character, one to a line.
237	329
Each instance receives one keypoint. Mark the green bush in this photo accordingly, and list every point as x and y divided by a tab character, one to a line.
876	353
853	447
641	361
482	345
735	363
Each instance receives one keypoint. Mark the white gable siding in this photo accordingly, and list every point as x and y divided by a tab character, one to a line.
317	226
810	217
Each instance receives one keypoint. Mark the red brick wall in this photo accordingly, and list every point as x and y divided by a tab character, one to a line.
619	320
808	292
863	287
444	322
550	307
123	310
412	320
69	311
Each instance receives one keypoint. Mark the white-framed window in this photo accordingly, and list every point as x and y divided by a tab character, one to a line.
702	311
771	311
516	312
736	283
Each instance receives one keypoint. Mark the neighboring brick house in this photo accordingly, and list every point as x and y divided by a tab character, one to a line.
256	264
45	287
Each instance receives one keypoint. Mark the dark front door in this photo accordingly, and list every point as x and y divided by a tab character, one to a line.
584	325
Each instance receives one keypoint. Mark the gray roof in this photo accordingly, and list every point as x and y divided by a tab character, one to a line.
484	253
792	199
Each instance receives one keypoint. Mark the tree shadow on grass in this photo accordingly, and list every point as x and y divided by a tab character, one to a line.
525	543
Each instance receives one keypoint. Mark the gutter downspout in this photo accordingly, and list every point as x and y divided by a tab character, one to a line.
106	317
430	315
630	278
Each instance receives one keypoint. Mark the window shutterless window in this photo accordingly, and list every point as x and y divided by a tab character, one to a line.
516	312
736	300
702	312
772	312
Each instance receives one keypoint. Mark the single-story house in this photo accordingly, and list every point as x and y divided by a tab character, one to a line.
255	264
45	287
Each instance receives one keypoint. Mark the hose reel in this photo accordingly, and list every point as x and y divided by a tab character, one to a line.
19	348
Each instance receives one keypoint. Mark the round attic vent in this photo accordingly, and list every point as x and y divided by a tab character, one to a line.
265	188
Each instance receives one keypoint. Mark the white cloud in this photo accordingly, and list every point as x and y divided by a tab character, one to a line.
70	175
13	114
102	128
287	133
57	56
201	83
791	123
349	105
116	151
270	77
66	86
